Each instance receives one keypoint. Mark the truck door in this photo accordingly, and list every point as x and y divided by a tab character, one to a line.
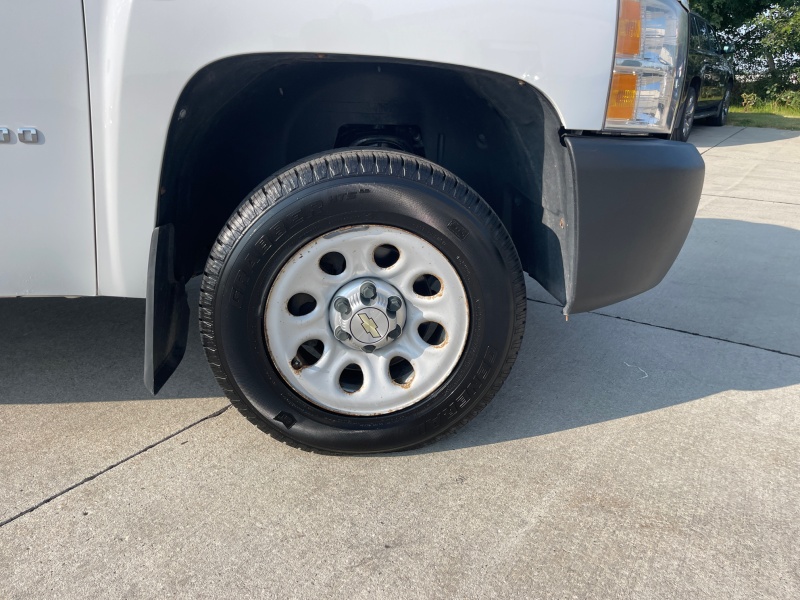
47	240
718	65
709	90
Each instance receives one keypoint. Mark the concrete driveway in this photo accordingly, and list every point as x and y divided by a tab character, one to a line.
647	450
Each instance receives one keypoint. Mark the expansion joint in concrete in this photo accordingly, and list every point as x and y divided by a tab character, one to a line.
110	467
708	337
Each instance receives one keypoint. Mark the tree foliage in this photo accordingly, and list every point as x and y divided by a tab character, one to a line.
729	14
766	34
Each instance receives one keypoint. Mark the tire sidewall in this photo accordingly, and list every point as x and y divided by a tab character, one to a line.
693	96
682	136
303	215
723	114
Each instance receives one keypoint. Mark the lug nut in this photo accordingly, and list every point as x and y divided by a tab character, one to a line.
341	334
368	291
342	306
395	333
369	349
393	304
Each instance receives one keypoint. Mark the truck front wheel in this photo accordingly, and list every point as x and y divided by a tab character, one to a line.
362	301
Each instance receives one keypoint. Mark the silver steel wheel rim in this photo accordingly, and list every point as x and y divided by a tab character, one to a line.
320	382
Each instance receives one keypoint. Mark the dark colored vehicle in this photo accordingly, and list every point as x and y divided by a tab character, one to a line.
709	80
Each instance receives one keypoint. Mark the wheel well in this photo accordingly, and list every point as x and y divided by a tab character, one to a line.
243	118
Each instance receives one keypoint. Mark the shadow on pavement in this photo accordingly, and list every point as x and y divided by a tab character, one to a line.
707	137
735	280
59	350
594	368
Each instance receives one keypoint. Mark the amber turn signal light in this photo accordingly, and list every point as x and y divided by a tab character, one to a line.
629	28
622	100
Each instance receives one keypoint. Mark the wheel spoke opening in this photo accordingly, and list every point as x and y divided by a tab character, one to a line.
386	255
308	354
351	378
301	304
401	371
432	333
427	285
333	263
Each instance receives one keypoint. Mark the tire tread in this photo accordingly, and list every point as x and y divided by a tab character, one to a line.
340	165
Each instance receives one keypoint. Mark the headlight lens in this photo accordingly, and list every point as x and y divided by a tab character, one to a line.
649	66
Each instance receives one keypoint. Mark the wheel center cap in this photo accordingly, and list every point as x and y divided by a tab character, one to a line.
367	314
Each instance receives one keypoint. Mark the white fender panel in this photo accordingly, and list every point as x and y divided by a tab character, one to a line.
143	52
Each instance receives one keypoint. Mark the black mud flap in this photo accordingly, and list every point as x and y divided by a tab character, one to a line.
167	314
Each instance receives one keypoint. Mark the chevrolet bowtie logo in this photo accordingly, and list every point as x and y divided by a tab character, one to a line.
369	325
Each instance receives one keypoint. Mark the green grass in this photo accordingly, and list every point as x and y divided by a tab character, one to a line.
777	117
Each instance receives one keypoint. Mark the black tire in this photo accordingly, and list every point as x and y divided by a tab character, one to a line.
683	128
721	118
322	194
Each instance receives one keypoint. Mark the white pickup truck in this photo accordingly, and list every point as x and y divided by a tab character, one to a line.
360	184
